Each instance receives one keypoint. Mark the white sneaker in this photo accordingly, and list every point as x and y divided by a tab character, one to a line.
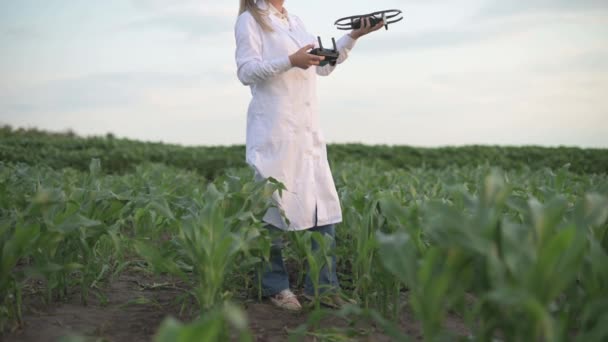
286	300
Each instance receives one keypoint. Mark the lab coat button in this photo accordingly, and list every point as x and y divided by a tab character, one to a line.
307	103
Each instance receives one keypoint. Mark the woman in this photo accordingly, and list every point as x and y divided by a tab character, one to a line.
284	139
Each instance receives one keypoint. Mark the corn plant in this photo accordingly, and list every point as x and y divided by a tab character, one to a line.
213	325
525	264
15	244
318	249
210	240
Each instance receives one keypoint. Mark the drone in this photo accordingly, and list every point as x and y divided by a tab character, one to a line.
354	22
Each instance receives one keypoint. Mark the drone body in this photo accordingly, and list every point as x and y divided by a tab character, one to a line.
354	22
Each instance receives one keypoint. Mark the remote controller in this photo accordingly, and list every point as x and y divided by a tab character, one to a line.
331	56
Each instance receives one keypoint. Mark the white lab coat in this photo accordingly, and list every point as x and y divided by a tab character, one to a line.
283	137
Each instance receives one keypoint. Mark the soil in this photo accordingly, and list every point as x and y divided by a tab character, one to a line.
124	316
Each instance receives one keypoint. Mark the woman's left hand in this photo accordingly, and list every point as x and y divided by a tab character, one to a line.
365	28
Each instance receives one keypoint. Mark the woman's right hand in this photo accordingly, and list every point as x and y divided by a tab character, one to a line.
302	59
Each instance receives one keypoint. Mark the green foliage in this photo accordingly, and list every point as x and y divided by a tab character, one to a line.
60	150
518	252
526	263
211	326
219	233
118	156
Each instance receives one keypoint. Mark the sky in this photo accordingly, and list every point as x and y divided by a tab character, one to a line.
517	72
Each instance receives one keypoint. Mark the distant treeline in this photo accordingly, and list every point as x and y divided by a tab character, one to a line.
60	150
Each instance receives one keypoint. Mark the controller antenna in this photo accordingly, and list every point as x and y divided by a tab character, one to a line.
320	44
333	40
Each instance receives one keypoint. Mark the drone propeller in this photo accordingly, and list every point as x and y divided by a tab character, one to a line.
354	22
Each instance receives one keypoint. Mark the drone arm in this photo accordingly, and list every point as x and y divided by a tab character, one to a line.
251	68
345	44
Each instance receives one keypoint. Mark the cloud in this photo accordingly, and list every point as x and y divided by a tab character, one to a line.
194	25
498	8
431	39
68	95
470	33
21	33
591	60
497	21
102	91
194	18
196	7
594	62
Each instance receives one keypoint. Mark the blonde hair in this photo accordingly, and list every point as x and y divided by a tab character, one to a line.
258	14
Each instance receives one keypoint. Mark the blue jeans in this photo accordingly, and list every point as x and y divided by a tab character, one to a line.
274	274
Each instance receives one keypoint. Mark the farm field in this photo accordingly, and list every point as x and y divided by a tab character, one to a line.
112	239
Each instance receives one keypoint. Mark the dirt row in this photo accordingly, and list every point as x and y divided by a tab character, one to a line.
135	305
